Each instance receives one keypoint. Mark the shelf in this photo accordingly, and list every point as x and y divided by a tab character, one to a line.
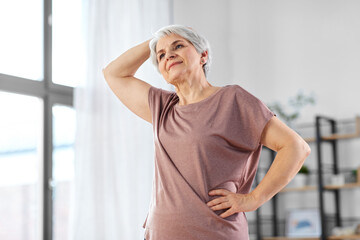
344	237
299	189
289	238
335	137
347	185
340	136
330	238
327	187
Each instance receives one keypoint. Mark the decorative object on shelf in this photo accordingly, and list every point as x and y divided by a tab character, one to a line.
337	180
303	223
301	178
346	231
296	104
357	230
350	176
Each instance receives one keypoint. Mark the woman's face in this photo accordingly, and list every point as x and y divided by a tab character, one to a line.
177	58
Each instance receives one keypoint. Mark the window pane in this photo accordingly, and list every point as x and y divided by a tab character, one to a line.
67	42
63	168
20	188
21	41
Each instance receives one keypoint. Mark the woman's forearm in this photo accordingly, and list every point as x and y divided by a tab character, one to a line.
129	62
286	165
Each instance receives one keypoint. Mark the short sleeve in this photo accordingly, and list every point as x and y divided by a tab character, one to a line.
158	99
251	116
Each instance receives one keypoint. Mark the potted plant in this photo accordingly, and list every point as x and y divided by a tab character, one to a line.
300	179
356	175
304	170
291	112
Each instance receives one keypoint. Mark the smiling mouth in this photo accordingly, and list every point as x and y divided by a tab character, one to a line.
176	63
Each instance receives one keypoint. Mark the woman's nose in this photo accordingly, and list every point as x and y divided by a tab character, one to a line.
170	55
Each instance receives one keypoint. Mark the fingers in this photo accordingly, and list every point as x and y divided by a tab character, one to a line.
231	202
221	206
221	203
228	213
224	205
217	201
222	192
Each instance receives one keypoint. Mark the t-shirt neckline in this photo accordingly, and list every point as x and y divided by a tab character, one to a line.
188	106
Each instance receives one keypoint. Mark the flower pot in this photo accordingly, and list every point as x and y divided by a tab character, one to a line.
300	180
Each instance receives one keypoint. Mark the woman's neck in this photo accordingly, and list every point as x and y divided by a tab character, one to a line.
193	91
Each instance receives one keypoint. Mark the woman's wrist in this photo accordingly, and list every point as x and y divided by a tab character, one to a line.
129	62
257	198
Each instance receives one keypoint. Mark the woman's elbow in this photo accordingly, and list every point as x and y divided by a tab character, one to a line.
304	148
107	72
308	149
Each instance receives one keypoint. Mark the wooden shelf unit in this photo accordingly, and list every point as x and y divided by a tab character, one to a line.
320	187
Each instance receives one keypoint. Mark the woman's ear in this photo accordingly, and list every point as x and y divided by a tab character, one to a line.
204	57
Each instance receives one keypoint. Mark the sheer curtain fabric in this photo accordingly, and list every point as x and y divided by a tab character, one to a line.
114	147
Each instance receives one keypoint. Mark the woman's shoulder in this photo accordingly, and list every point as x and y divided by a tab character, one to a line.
241	94
234	88
161	96
161	91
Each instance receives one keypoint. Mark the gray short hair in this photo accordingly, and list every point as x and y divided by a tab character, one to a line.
199	42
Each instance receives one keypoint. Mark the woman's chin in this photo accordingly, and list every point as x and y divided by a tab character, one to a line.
175	78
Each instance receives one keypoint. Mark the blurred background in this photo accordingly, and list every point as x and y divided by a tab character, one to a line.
76	164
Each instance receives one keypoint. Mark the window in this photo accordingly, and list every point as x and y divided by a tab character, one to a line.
20	164
21	42
67	54
62	168
37	124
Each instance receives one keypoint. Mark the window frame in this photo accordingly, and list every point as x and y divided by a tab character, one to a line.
51	94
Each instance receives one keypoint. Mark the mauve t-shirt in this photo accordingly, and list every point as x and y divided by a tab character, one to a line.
210	144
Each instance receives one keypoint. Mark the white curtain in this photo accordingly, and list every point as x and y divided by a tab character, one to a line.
114	147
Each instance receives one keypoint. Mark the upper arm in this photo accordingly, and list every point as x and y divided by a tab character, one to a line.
276	135
133	93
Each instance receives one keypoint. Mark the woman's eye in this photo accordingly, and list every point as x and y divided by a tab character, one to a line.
161	56
178	46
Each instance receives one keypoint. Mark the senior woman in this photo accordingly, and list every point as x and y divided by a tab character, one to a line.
208	140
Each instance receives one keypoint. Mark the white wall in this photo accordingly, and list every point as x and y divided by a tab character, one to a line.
211	19
275	48
281	46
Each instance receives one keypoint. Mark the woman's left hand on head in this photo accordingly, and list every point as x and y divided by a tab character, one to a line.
233	202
